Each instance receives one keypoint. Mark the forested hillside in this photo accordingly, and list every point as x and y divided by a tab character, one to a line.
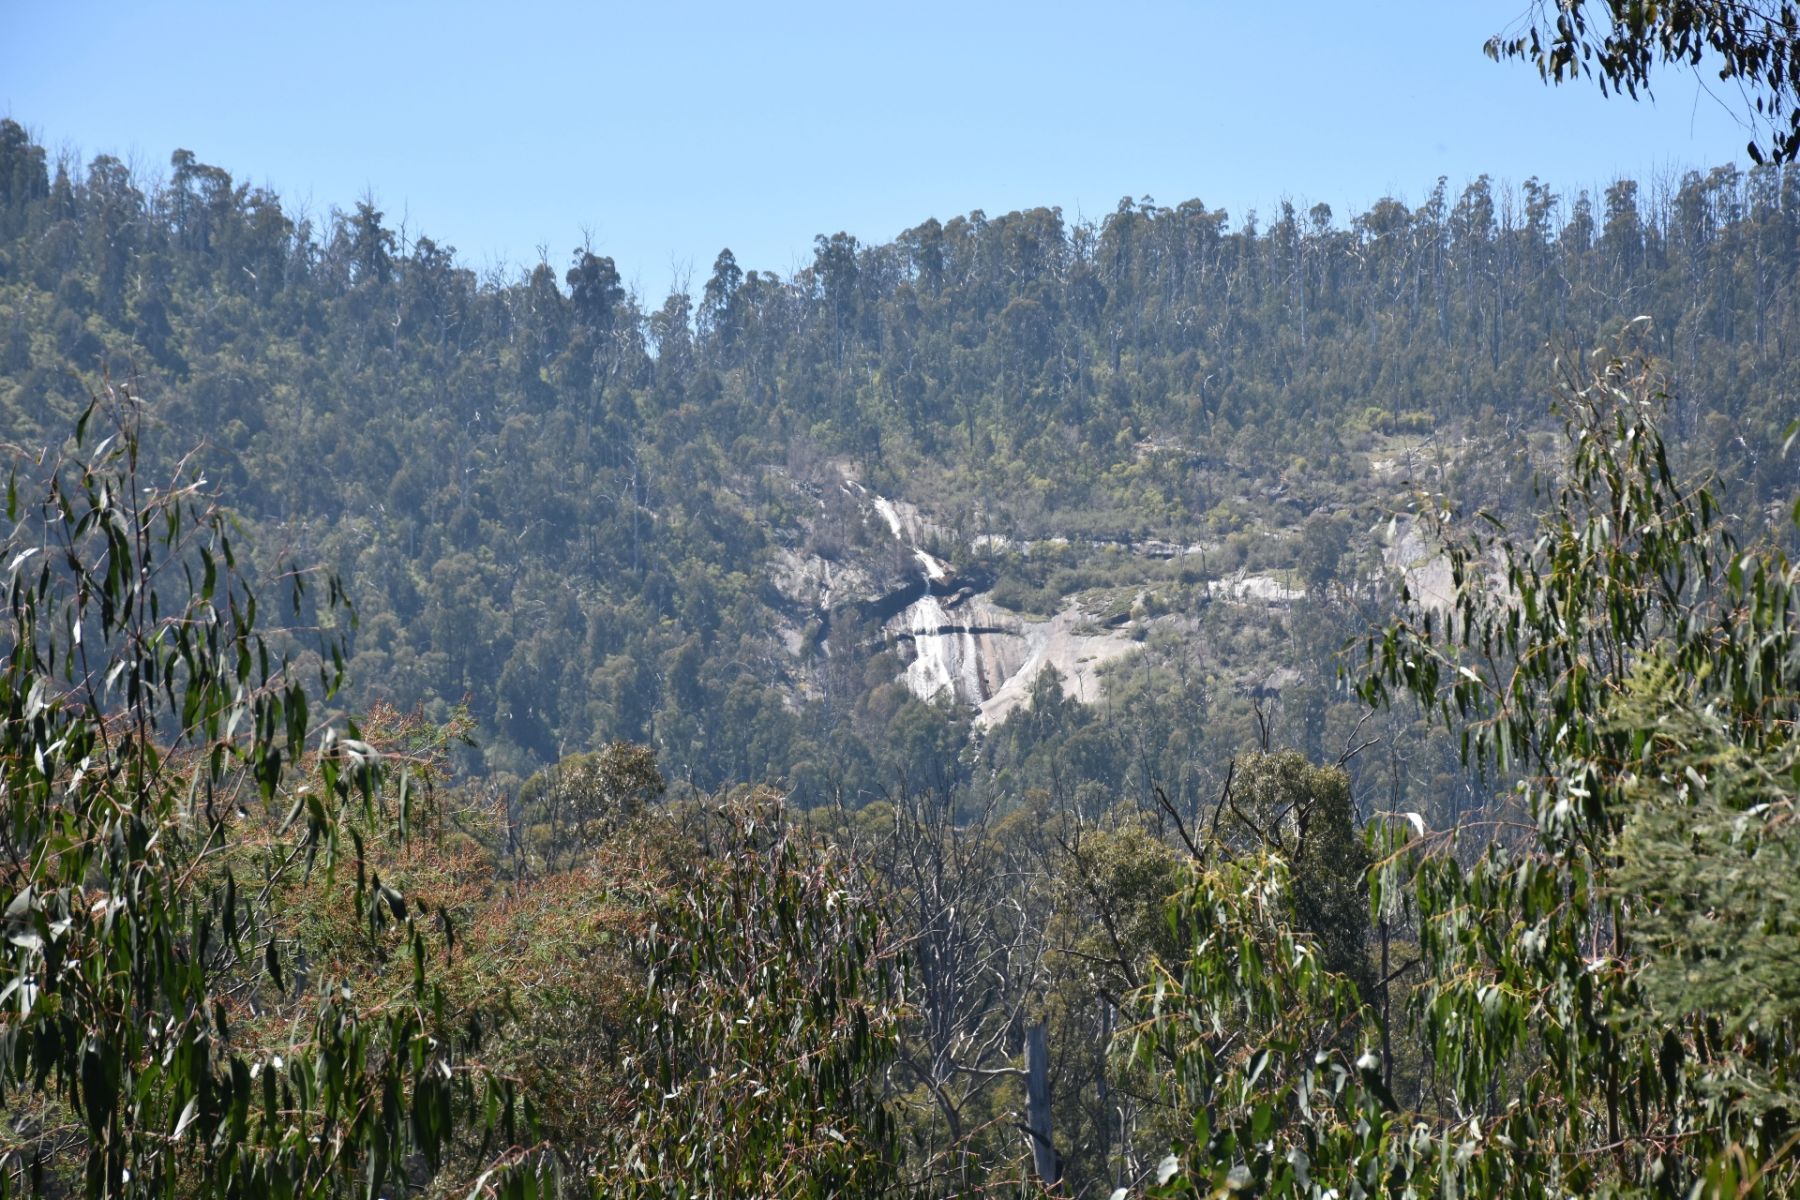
570	506
1026	709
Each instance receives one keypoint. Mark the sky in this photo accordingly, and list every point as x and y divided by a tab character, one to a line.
659	133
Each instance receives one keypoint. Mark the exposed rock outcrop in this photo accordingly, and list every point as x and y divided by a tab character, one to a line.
936	616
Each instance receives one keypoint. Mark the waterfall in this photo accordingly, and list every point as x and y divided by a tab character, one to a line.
946	654
934	665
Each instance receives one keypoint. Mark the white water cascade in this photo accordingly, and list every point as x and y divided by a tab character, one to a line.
982	656
947	654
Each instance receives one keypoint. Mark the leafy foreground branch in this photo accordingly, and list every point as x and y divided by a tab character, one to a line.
245	957
1608	1002
164	780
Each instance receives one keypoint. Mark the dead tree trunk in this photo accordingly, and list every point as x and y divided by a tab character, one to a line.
1037	1104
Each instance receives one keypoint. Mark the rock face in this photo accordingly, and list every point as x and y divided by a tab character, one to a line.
1423	566
886	588
968	649
1067	643
957	643
987	658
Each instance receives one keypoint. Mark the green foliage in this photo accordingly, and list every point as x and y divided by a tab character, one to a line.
1112	885
1709	864
1324	540
171	894
150	722
767	1021
1304	814
1618	43
1607	991
1580	662
1628	559
586	798
1253	1037
575	512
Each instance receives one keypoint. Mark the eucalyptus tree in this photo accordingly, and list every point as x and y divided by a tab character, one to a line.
165	772
1605	988
1752	44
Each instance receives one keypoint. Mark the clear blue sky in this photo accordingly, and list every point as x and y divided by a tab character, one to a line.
667	130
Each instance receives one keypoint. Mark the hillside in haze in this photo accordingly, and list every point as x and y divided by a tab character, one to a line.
819	528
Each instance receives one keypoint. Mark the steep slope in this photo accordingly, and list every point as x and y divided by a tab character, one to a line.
589	514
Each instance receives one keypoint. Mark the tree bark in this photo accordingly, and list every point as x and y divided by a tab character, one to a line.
1037	1104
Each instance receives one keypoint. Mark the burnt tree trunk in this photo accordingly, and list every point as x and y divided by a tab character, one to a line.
1037	1104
